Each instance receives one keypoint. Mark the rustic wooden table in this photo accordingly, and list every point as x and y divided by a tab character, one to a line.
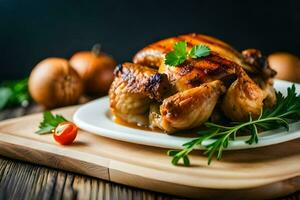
21	180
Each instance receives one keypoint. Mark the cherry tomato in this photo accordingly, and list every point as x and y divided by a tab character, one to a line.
65	133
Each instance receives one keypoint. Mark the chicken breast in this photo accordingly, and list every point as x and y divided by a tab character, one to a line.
194	72
153	54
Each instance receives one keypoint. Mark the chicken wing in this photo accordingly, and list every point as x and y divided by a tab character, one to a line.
258	63
133	89
187	109
244	97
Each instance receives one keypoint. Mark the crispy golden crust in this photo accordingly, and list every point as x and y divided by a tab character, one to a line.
143	80
244	97
192	107
132	108
193	73
259	63
183	97
188	109
220	64
133	89
153	54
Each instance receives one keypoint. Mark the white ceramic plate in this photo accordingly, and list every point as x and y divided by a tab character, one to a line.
94	117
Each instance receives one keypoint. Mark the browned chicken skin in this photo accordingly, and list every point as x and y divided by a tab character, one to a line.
132	91
193	73
242	98
189	108
152	93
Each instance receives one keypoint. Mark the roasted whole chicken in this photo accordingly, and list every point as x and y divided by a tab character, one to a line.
148	92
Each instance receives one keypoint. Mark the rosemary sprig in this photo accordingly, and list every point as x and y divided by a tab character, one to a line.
286	109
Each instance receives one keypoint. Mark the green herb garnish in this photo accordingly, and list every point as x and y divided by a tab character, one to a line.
199	51
286	109
13	93
180	54
49	123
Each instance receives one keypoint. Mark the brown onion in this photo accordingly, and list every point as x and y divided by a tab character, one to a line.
53	83
96	70
287	66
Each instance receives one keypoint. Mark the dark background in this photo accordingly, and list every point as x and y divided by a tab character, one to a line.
33	30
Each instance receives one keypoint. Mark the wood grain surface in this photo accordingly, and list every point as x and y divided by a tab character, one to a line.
20	180
118	174
23	180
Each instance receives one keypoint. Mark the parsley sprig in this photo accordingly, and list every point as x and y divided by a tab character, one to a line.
286	109
180	54
49	123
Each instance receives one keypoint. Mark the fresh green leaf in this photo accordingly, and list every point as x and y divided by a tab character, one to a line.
180	48
45	129
286	109
49	123
178	55
172	59
199	51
